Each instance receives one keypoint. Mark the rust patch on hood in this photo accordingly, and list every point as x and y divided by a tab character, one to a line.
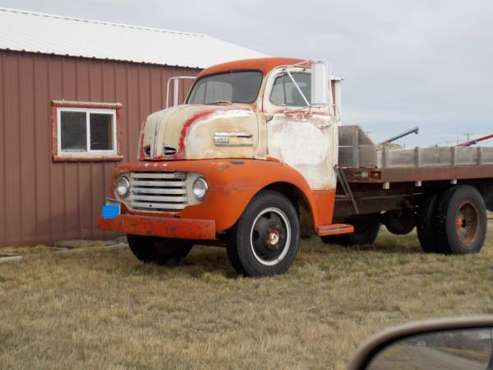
188	131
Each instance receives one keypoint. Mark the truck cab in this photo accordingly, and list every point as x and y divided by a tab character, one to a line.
258	109
248	160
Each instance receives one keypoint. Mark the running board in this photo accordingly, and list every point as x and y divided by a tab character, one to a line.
335	229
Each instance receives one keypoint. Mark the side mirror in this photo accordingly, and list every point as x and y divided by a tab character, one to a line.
427	345
319	84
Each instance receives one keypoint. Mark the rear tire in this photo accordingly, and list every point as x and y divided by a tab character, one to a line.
400	222
265	240
161	251
460	221
486	191
424	225
365	232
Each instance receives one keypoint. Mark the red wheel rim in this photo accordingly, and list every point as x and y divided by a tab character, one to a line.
467	223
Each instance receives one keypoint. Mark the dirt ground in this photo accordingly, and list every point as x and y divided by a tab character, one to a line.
101	308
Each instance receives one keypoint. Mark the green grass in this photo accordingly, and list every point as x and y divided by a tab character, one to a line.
101	308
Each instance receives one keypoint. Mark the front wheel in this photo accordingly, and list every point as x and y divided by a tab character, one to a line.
265	240
159	250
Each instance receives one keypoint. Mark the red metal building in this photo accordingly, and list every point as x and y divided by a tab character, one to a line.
73	96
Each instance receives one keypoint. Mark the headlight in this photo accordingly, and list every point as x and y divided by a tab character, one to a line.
200	188
122	187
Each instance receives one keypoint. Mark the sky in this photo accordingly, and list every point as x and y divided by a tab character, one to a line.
404	63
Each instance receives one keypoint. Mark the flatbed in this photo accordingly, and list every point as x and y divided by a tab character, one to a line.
398	187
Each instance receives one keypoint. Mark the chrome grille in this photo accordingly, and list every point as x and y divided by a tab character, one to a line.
161	191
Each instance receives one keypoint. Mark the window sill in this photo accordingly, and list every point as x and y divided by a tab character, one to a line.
88	105
98	158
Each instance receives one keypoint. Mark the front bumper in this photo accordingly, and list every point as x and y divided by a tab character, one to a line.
166	227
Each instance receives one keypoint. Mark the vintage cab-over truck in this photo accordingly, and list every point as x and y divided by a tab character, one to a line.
257	157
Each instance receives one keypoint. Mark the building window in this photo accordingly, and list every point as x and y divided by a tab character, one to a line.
86	131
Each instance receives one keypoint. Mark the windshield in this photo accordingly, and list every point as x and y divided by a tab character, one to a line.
231	87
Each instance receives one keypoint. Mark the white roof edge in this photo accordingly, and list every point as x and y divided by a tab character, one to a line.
94	21
36	32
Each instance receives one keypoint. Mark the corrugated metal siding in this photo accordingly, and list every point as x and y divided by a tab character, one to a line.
44	201
22	30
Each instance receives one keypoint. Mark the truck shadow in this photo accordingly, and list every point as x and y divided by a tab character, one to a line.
392	244
386	243
202	261
387	248
208	261
205	260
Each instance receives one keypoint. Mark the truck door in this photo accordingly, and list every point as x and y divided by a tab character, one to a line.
301	136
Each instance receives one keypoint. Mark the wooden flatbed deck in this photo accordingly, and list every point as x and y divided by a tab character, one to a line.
406	174
372	180
362	162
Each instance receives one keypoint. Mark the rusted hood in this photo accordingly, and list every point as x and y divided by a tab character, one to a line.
182	132
163	128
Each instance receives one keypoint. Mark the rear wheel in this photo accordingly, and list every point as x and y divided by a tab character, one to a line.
265	240
424	224
159	250
365	232
460	221
486	191
400	222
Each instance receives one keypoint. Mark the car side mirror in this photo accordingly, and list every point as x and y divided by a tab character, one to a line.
427	345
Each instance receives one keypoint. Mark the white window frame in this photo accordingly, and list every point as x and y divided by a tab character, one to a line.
88	153
289	73
271	108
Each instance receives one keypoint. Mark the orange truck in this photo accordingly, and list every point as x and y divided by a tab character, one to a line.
257	157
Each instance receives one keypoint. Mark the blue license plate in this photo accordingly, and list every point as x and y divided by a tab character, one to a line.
110	211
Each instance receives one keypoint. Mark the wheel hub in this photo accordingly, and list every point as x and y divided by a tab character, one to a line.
270	236
273	239
467	223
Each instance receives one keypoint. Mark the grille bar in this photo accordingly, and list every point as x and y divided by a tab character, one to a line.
157	175
156	183
159	206
155	198
163	191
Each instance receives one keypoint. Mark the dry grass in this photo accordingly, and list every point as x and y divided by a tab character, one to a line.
67	245
103	309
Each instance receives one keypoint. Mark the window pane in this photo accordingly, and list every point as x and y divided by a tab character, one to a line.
101	131
236	87
73	134
216	91
284	92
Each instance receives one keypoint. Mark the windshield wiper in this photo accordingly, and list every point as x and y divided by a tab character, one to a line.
220	102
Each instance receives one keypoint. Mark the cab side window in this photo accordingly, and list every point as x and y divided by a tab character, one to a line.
285	93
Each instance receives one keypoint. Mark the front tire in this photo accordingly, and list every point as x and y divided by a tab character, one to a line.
161	251
265	240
